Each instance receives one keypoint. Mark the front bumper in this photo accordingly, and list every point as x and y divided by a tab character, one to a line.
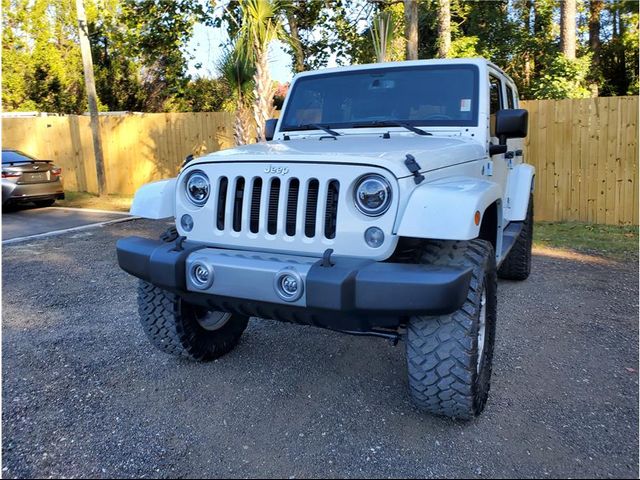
351	294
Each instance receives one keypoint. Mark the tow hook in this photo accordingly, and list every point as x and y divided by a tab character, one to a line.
179	244
326	258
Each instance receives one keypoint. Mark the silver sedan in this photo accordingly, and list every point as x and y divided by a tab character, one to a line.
26	179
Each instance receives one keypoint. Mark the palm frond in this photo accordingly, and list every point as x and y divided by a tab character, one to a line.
382	34
260	26
237	71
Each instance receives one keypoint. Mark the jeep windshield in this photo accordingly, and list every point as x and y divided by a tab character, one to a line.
425	95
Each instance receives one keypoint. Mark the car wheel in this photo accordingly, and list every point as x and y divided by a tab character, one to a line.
450	357
179	328
517	265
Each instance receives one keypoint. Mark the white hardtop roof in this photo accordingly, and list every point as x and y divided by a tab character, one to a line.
479	61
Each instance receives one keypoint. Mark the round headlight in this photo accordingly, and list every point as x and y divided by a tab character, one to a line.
373	195
198	188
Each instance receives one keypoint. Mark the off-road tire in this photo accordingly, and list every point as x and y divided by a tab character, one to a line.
44	203
172	326
442	351
517	265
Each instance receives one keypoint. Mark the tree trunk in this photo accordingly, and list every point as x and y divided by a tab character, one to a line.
622	75
568	28
444	28
92	97
295	42
595	8
263	93
411	28
242	124
526	20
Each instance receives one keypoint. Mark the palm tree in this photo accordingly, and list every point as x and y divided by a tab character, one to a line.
237	72
260	26
382	33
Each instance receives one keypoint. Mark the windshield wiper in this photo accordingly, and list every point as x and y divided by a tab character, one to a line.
392	123
318	126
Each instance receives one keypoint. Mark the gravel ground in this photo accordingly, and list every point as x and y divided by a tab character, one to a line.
85	394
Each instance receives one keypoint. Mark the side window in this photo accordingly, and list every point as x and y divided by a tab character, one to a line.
510	98
495	102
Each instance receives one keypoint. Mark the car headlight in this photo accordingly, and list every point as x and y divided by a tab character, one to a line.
373	195
198	188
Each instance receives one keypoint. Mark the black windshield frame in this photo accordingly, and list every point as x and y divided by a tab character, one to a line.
472	122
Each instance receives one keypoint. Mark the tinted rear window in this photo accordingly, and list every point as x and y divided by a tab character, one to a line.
14	156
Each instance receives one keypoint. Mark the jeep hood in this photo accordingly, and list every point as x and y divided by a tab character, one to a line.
431	152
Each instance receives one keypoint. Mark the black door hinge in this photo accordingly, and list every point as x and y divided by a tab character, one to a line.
414	168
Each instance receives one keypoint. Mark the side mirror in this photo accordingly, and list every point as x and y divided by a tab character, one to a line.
270	128
512	123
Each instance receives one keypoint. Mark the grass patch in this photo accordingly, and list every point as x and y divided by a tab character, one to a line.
616	242
119	203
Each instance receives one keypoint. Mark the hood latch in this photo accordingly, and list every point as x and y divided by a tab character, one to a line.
414	168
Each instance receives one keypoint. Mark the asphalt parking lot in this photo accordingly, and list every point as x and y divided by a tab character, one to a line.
21	222
85	394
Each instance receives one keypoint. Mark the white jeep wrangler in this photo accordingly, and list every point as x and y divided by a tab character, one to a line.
386	202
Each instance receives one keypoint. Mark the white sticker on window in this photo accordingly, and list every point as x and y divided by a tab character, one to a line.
465	105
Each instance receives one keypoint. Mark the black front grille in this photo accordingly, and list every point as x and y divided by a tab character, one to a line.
237	205
255	205
272	217
331	211
222	202
312	209
292	206
264	207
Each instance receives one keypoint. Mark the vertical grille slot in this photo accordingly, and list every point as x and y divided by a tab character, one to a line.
222	202
272	218
312	208
237	205
254	221
331	212
292	206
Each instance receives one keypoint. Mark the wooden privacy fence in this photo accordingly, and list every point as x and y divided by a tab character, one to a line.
138	148
585	152
586	157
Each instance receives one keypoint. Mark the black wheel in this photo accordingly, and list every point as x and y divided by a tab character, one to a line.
449	357
517	265
44	203
180	328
